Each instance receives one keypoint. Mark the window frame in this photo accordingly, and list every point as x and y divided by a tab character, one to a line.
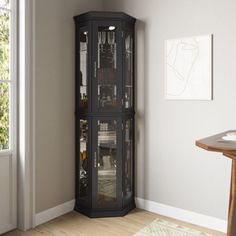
11	152
12	80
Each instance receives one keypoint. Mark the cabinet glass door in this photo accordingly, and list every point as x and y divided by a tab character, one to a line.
128	160
84	167
108	163
128	70
83	65
108	67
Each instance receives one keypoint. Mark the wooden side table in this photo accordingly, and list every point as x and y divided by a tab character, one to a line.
215	143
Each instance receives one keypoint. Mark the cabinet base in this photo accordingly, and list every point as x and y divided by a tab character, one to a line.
105	213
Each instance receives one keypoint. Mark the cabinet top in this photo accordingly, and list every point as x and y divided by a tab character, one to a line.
104	15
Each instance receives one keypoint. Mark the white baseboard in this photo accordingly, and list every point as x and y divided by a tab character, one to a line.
54	212
183	215
161	209
6	228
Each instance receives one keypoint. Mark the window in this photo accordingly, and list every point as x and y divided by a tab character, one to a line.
6	73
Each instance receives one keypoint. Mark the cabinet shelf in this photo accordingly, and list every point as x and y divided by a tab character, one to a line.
107	145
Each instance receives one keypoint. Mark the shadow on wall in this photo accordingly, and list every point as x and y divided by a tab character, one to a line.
141	98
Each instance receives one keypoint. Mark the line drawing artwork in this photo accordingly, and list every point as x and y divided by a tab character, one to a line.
188	68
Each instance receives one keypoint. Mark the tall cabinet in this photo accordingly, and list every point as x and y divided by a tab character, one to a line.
104	113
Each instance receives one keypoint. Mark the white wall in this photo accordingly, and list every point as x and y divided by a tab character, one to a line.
55	178
170	169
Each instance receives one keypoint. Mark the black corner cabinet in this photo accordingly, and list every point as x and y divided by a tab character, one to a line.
104	113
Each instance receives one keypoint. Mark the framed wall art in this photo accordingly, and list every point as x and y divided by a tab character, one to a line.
188	68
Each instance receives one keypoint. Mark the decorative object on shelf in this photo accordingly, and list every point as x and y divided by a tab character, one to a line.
104	112
188	68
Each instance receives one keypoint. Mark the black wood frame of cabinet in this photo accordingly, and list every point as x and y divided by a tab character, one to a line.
90	22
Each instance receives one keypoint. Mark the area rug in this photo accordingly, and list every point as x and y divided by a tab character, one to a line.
164	228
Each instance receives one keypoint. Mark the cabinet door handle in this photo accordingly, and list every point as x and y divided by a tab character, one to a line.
95	69
95	160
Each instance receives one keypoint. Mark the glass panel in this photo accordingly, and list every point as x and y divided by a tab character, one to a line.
107	160
4	116
4	75
107	67
83	69
128	158
4	3
4	45
83	158
128	70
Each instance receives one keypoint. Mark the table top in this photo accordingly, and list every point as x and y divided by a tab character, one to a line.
215	143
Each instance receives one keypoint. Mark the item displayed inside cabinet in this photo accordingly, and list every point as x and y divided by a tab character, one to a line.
127	100
83	158
83	101
83	132
106	187
107	67
128	158
107	96
107	138
107	76
128	70
107	133
83	69
107	47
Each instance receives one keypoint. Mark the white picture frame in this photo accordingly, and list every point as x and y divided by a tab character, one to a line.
188	68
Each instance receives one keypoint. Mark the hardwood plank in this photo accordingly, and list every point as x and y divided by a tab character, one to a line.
75	224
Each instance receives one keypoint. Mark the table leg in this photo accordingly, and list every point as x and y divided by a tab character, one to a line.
232	203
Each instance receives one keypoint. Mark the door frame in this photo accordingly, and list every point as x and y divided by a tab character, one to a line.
11	152
26	114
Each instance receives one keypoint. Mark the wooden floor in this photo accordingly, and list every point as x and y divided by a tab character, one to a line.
75	224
